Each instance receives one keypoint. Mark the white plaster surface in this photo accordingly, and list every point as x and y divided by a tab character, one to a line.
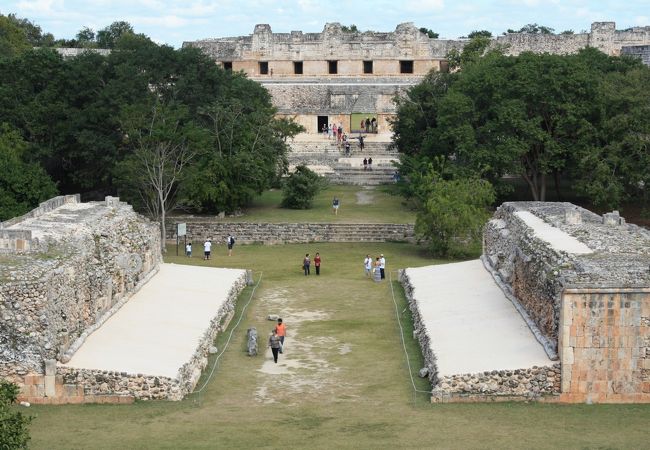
159	329
556	238
472	326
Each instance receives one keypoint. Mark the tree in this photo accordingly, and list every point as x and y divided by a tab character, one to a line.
86	38
453	214
349	29
476	48
23	185
161	142
14	432
532	28
300	188
109	36
479	33
432	34
13	40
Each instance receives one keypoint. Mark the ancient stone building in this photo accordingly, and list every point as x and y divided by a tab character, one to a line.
583	281
344	77
64	267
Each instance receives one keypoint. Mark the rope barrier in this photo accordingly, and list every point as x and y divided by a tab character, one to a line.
225	347
401	331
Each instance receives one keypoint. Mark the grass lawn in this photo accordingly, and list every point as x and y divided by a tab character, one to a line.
357	205
342	383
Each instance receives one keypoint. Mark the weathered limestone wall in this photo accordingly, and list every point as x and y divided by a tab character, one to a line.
639	51
605	345
84	260
199	230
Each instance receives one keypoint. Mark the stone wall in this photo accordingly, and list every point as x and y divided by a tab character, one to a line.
605	345
199	230
638	51
89	258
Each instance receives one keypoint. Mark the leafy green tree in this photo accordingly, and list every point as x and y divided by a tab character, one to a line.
13	40
86	38
476	48
532	28
23	185
14	431
432	34
33	32
453	214
349	28
108	37
480	33
300	188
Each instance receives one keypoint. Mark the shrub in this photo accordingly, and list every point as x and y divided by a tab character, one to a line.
13	424
300	188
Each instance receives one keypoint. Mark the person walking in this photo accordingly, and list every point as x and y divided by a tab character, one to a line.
275	344
370	163
230	240
335	206
382	266
367	265
365	164
317	263
306	263
377	270
188	250
281	331
207	247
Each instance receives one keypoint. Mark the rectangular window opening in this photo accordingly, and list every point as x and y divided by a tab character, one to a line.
297	67
332	66
227	65
367	67
264	68
406	67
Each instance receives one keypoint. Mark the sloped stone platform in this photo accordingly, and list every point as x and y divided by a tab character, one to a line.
156	345
473	339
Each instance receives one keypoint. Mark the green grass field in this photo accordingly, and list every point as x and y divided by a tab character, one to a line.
346	383
358	205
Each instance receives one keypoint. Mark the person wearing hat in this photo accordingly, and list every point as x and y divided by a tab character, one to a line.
382	265
274	343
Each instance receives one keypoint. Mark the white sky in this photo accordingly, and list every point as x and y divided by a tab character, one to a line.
175	21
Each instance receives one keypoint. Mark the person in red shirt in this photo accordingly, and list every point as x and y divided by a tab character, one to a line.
281	331
317	263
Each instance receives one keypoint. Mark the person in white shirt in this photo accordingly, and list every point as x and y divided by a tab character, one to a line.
188	250
207	246
382	266
367	265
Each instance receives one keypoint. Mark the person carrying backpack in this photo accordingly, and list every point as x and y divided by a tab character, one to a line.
231	243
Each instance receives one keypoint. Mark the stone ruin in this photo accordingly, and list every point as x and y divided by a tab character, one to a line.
581	282
65	268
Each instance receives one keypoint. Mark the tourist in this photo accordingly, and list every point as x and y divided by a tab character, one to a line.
373	124
370	163
335	131
335	206
362	125
377	270
188	250
274	343
367	124
340	130
365	164
367	265
231	243
207	246
329	131
317	263
347	148
306	263
281	331
361	143
324	130
382	266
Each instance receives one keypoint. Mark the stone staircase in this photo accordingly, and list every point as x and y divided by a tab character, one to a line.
323	157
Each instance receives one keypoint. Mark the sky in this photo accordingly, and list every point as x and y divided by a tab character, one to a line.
174	21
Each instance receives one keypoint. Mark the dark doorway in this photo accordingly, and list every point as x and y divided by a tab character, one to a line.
264	67
297	67
227	65
333	67
406	67
322	120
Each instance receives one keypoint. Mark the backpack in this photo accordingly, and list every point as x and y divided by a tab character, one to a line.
232	240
